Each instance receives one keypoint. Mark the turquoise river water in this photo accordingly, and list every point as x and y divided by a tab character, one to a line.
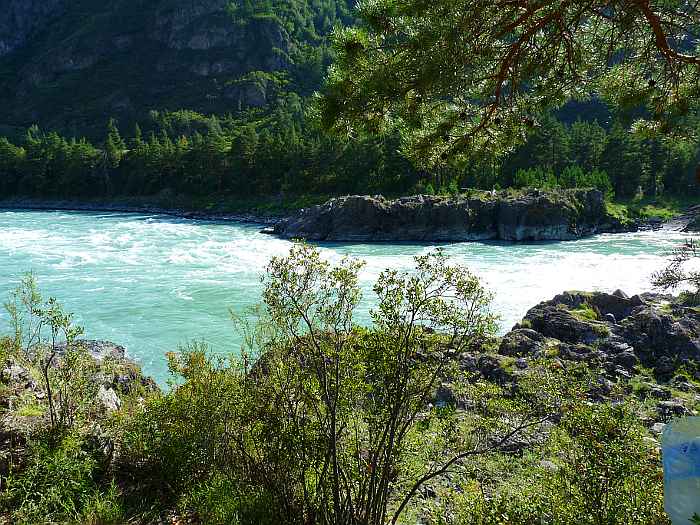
152	282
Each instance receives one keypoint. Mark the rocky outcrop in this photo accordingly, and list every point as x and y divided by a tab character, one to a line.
689	221
653	330
528	216
23	411
113	374
23	397
647	345
170	48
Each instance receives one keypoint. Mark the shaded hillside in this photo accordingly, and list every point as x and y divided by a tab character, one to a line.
71	65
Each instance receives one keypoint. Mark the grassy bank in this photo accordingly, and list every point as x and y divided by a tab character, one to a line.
665	207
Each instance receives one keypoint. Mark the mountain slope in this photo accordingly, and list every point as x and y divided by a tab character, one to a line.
71	65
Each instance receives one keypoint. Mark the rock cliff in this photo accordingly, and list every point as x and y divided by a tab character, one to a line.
66	64
528	216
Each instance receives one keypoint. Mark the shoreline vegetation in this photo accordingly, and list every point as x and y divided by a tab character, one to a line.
192	162
570	403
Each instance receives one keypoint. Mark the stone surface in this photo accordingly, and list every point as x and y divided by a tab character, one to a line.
109	399
114	372
558	323
658	428
531	216
627	360
113	377
653	337
672	408
521	342
521	363
14	373
100	350
658	392
170	47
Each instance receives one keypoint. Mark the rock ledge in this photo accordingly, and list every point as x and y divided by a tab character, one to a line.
529	216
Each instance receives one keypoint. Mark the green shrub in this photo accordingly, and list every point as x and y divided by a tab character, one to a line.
60	483
179	439
221	501
331	416
321	421
608	473
46	339
585	312
598	470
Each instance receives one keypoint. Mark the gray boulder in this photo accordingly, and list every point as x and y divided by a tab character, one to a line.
522	342
108	399
627	360
667	410
13	373
558	323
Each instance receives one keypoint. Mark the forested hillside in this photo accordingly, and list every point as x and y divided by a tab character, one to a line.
66	65
212	101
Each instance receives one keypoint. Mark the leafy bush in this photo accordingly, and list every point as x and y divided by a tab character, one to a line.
321	421
607	472
180	438
333	423
585	312
60	483
46	338
597	470
221	501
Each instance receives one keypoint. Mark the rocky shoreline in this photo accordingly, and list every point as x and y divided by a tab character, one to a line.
526	216
646	346
507	216
644	350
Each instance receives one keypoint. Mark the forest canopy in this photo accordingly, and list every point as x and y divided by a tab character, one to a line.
458	76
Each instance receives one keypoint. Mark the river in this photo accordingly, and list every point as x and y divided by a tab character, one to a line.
153	282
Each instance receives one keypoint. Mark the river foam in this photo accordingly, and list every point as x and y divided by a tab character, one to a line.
152	282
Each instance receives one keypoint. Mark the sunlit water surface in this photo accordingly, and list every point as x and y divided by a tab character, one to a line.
151	282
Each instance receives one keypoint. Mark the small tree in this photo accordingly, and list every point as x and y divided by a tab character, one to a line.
324	421
675	275
44	335
366	392
115	146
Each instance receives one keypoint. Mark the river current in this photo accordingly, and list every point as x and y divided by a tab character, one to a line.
152	282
